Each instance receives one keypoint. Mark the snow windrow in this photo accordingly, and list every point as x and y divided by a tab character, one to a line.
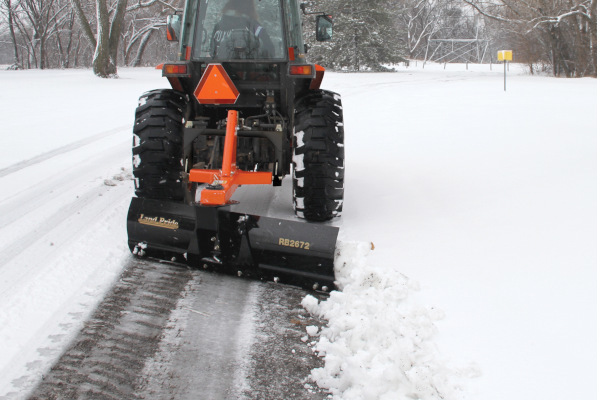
378	342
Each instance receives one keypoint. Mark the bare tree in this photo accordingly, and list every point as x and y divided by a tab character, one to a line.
420	20
65	44
41	32
109	17
562	31
140	39
106	35
35	21
7	8
142	22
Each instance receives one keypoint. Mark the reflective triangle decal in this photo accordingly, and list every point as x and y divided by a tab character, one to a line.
216	87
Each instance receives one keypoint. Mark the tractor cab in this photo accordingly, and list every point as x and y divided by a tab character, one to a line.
239	30
226	30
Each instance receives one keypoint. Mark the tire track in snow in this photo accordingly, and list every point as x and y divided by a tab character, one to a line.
167	331
106	359
19	258
231	338
35	223
61	150
24	191
74	178
20	244
48	291
28	201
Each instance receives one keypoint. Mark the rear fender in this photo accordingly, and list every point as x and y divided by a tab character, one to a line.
315	83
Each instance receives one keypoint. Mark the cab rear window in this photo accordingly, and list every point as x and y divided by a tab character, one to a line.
238	30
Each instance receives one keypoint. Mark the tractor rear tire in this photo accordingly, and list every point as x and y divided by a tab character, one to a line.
318	159
158	145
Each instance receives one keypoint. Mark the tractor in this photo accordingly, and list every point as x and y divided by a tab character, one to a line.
245	107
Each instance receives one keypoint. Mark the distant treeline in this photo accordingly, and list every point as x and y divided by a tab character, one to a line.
552	36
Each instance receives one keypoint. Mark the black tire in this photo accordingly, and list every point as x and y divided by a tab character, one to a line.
318	159
158	145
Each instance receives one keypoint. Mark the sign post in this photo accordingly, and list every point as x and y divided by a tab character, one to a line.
505	55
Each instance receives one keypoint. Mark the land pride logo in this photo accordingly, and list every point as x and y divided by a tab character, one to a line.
159	222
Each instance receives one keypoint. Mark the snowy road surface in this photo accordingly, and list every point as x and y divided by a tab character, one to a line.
484	200
170	332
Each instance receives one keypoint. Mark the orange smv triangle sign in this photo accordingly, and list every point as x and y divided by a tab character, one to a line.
216	87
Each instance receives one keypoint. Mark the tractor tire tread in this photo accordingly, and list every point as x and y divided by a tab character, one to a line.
157	145
318	179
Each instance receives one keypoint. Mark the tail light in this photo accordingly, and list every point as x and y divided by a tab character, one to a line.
179	69
307	71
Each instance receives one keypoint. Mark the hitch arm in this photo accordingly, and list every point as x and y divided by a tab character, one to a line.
223	183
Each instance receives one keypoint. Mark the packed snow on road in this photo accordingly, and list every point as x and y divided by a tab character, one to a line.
467	251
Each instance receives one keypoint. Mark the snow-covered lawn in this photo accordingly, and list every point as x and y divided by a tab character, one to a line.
487	199
480	204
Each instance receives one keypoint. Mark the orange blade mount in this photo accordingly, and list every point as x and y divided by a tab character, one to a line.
223	182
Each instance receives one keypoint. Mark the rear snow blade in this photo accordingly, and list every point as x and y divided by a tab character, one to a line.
298	253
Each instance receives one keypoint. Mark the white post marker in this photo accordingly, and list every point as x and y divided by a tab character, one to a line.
505	55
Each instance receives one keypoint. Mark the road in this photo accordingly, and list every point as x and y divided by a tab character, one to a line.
63	246
170	332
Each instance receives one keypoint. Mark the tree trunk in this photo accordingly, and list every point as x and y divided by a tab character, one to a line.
87	29
594	36
140	52
42	54
76	52
108	33
101	64
11	29
67	61
116	28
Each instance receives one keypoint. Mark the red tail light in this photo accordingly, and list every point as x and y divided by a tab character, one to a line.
301	70
175	69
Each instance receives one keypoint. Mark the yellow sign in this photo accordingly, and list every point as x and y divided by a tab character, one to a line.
504	55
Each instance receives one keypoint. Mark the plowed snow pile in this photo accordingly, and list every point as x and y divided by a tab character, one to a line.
379	343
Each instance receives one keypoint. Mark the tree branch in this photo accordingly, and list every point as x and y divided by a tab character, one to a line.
83	21
149	4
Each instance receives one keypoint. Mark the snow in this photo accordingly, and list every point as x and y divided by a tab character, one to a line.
467	250
488	200
379	343
65	186
312	330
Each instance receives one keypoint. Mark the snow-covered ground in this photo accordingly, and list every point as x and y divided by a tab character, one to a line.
480	204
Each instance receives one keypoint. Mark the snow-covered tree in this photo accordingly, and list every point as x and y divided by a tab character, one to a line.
422	20
7	8
364	39
140	36
418	20
103	23
563	32
41	32
109	16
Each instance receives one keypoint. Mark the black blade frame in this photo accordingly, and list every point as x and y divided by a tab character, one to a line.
216	238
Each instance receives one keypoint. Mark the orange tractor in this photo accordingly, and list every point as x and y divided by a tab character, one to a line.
245	108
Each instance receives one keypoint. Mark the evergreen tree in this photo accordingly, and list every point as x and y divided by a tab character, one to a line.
364	35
